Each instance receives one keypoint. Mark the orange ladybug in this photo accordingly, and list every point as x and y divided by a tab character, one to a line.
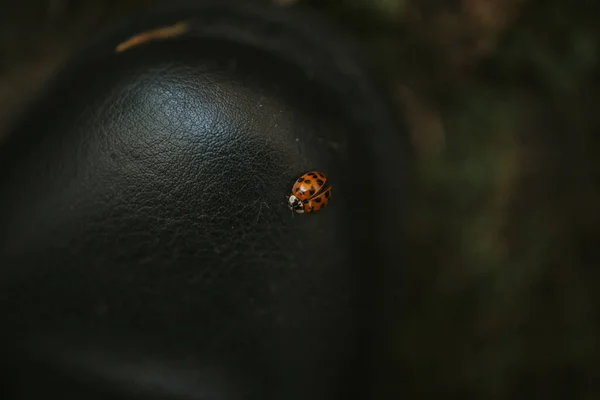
310	193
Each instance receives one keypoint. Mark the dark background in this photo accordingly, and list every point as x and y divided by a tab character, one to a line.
498	297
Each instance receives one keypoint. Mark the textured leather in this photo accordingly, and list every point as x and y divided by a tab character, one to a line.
146	250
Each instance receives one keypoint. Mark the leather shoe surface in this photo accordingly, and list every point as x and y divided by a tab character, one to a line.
146	248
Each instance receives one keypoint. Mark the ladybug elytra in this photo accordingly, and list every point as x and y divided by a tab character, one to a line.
310	193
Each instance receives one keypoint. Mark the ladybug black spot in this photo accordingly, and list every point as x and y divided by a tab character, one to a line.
328	193
300	180
320	182
307	181
312	191
318	200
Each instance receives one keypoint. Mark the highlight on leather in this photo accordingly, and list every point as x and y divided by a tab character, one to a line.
155	34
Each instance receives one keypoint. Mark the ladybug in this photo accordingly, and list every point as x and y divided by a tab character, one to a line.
310	193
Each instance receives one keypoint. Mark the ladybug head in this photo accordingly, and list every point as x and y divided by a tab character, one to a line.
295	204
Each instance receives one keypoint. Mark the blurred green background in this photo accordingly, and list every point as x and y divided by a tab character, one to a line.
497	299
